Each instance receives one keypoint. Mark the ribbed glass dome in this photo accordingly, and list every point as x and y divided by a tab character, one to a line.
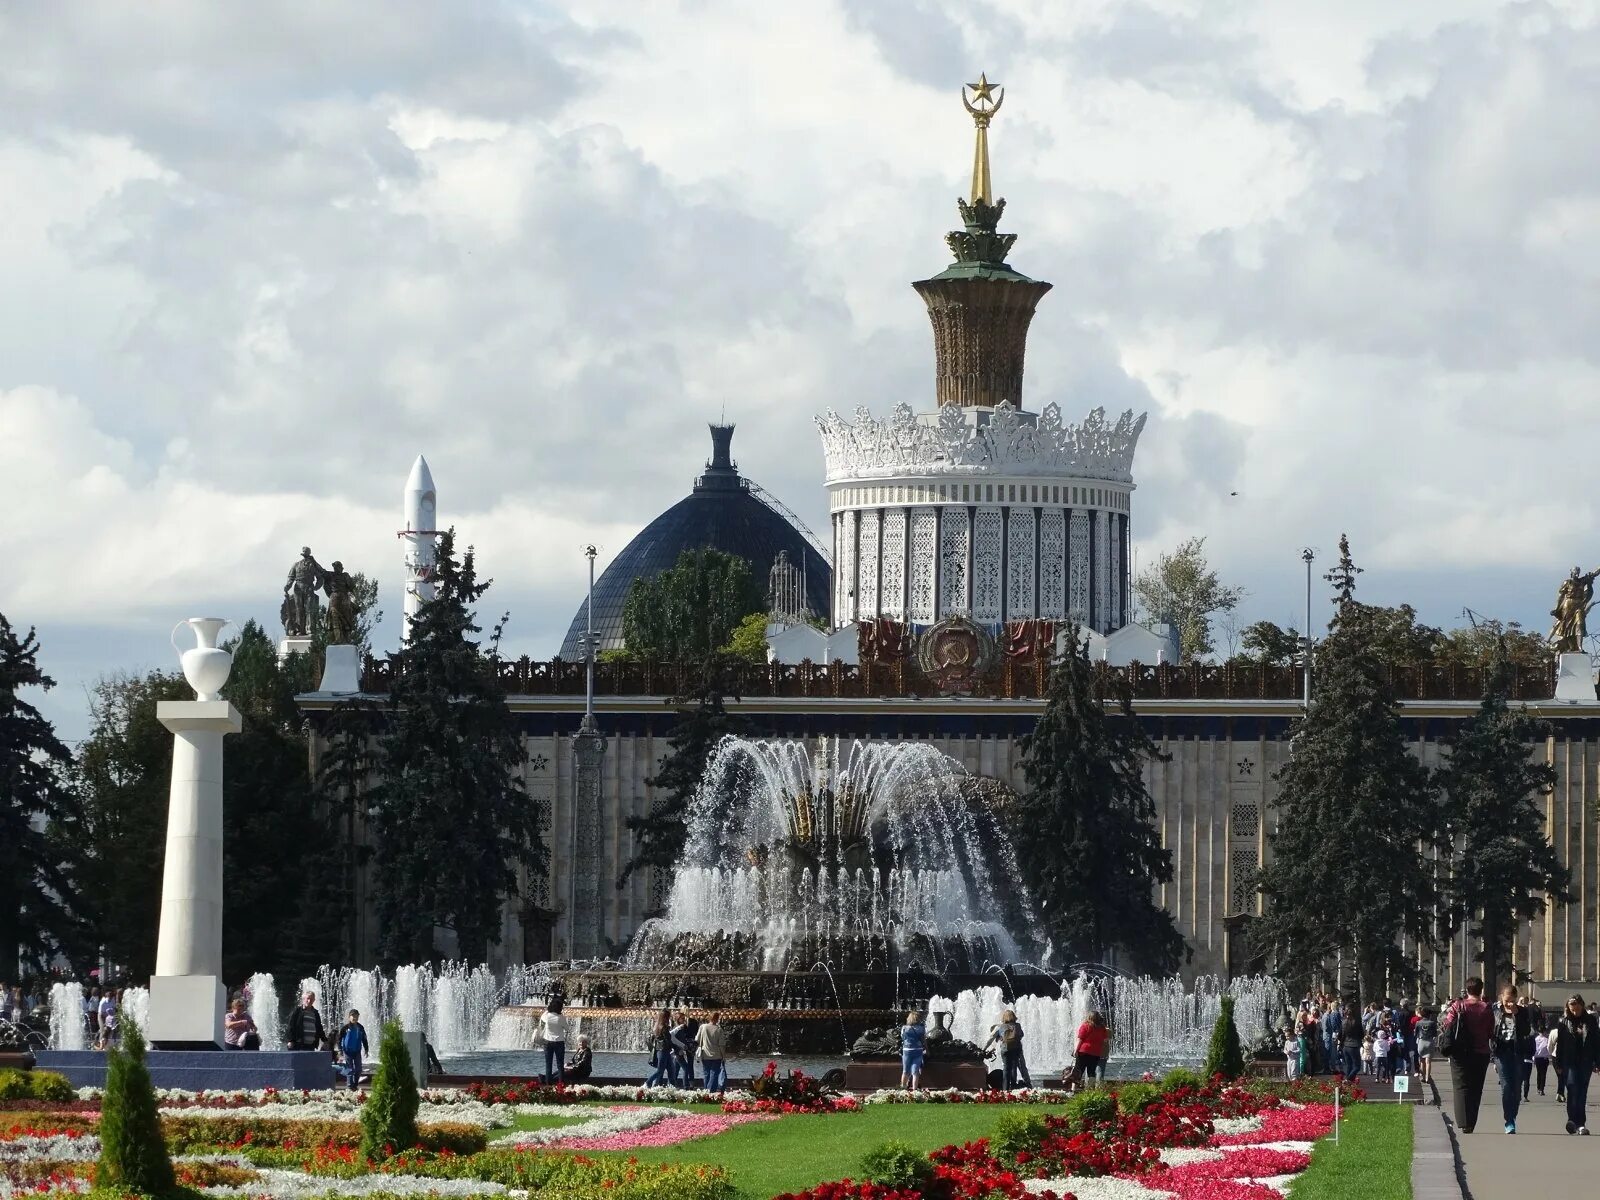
722	513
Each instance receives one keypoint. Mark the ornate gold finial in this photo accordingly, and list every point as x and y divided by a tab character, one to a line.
983	111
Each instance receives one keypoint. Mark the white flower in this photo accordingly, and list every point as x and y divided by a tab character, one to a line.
293	1185
55	1148
1301	1147
1097	1187
1228	1126
1177	1156
615	1121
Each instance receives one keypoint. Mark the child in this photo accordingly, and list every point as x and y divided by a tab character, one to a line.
1381	1045
1366	1054
1291	1055
352	1045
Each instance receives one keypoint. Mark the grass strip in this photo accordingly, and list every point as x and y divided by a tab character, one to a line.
1371	1160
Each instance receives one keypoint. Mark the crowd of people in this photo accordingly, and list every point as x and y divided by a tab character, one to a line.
676	1039
1381	1041
1093	1047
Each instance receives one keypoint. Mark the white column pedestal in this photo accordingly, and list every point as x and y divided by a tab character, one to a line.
341	670
1575	677
293	645
186	995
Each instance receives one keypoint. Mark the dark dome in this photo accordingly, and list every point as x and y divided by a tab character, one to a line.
723	513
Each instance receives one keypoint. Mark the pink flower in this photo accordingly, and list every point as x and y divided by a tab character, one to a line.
675	1129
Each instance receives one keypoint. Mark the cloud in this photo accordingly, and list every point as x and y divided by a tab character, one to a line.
1345	256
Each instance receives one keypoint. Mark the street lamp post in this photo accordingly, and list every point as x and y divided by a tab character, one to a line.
1307	556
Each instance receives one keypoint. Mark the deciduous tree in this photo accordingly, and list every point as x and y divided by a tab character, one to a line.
1182	590
691	609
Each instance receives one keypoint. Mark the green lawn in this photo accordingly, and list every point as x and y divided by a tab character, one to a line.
769	1157
526	1124
1372	1160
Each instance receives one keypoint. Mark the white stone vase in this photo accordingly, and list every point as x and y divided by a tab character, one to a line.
205	665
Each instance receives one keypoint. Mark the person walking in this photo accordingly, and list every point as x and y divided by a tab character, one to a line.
691	1043
1511	1030
1541	1060
1427	1031
682	1051
713	1054
353	1046
1577	1052
1294	1050
1470	1052
1094	1039
660	1052
1351	1034
913	1043
553	1031
305	1031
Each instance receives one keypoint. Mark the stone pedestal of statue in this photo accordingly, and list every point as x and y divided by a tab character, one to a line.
1575	677
186	993
341	670
293	645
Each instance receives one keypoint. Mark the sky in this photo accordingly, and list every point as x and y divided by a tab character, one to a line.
256	258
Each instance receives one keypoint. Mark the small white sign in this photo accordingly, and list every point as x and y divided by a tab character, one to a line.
1402	1083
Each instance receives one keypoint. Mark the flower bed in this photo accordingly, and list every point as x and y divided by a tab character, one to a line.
1187	1141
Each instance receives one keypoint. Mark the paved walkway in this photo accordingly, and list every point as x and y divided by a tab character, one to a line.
1541	1160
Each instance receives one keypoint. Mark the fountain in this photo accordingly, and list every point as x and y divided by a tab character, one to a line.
68	1031
262	1003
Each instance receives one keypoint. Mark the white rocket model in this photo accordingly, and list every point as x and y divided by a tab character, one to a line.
419	536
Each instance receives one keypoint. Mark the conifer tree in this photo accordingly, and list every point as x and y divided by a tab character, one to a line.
1086	838
41	819
133	1153
703	721
1225	1054
1504	866
1348	873
389	1117
451	821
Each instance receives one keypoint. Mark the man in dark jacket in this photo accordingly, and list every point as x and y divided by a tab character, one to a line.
305	1026
1577	1051
1469	1057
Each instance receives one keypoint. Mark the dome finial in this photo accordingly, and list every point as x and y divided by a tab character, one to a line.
721	448
983	106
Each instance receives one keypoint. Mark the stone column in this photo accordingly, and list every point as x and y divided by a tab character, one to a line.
587	877
186	993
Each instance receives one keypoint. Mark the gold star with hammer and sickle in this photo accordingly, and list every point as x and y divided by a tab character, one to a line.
982	89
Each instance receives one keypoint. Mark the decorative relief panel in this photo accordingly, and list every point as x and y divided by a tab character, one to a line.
1019	563
956	539
924	566
1118	567
1102	571
847	569
1243	865
986	531
1078	568
893	587
1052	564
867	568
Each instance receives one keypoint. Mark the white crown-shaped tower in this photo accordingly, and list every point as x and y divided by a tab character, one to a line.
980	509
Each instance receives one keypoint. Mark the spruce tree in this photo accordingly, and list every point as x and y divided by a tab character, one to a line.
41	820
1225	1054
133	1153
703	721
1085	833
1348	873
451	821
1504	866
389	1117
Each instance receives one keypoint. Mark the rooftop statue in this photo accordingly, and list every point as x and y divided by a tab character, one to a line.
299	610
1574	599
341	605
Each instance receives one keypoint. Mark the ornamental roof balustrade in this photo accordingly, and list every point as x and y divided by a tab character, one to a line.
1009	442
1008	679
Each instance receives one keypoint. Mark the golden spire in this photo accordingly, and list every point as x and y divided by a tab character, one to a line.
983	111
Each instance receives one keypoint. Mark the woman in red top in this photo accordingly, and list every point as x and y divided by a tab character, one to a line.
1094	1040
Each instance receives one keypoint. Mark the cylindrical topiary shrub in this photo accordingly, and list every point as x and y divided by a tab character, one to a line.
389	1117
133	1154
1225	1056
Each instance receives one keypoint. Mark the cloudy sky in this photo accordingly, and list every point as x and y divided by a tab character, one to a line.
257	257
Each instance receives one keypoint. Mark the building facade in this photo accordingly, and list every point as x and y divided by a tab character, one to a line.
1214	796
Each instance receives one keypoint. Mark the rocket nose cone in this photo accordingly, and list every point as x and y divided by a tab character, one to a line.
420	479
